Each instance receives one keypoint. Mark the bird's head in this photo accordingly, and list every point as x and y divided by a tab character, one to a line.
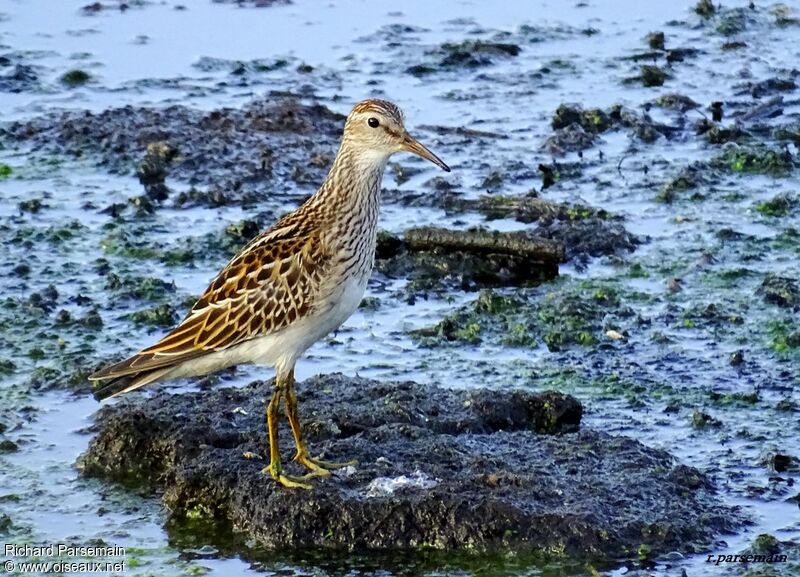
375	127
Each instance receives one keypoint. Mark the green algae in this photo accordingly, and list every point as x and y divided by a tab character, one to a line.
711	314
674	101
592	120
790	134
121	243
721	134
756	159
75	78
8	446
781	291
7	367
162	315
701	420
778	206
734	399
140	288
727	278
705	8
738	159
786	239
732	21
370	304
653	75
688	179
56	235
236	235
576	316
656	40
649	75
136	243
783	336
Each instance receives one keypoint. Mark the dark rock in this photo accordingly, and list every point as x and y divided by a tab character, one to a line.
592	120
572	138
758	159
589	237
736	358
481	241
163	315
435	259
779	205
468	470
675	101
716	111
656	40
152	171
528	209
8	446
732	21
466	54
781	463
21	79
720	135
770	86
734	45
387	245
781	291
701	420
220	148
755	111
582	230
652	75
471	54
75	78
255	3
568	117
681	54
705	8
765	544
6	524
97	7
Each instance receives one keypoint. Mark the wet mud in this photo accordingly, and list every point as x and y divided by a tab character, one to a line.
236	155
441	469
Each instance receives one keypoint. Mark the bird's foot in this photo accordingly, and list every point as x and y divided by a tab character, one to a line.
275	470
318	467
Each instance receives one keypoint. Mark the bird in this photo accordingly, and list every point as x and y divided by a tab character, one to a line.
288	287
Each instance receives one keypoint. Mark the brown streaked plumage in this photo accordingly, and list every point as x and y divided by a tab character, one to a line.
289	286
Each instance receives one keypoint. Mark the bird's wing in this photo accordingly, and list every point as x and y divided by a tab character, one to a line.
270	284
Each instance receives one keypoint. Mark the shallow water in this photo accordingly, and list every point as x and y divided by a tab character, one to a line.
573	52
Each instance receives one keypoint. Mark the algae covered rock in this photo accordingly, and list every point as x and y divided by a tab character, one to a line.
451	470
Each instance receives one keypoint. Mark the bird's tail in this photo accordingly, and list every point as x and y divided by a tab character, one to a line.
123	384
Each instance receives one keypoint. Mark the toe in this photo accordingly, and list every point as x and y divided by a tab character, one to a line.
292	482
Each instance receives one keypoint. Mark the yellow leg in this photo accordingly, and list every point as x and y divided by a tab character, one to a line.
317	467
275	469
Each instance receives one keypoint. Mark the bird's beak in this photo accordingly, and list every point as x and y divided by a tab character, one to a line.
411	144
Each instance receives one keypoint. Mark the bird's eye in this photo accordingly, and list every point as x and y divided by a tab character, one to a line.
374	122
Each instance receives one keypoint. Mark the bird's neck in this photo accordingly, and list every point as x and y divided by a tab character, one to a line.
351	191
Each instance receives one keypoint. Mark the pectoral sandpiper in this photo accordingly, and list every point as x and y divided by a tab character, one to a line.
289	286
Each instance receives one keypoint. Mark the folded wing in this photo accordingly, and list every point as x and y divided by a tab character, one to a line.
270	284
